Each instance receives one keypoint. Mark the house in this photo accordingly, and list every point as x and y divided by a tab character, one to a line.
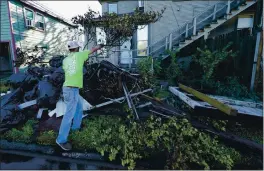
27	24
183	23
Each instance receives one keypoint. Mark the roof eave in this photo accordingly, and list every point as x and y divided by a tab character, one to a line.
61	19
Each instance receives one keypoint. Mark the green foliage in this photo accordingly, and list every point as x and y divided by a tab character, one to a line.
209	61
117	28
173	72
161	93
248	133
47	138
23	135
145	69
232	88
217	124
235	155
4	88
184	145
96	132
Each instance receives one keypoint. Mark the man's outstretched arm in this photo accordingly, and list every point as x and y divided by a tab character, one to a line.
96	48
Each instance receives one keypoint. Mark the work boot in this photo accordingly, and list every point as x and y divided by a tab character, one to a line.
65	146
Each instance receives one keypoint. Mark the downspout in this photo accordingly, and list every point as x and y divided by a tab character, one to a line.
13	39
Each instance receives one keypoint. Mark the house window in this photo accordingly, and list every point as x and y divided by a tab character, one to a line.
142	40
112	8
40	21
245	21
101	39
29	17
140	3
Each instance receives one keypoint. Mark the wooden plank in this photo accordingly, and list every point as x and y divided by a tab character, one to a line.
229	101
27	104
237	102
221	106
248	110
243	107
185	98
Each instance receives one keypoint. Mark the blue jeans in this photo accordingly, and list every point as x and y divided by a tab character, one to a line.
73	114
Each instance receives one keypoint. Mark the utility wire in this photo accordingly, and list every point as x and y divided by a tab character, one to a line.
174	15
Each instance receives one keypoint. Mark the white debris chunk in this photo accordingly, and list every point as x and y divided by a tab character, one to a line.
86	105
40	111
60	108
51	113
27	104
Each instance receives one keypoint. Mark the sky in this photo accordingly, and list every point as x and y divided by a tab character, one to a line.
69	9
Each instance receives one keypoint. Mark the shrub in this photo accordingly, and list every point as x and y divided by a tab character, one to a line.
4	88
209	60
23	135
185	146
173	72
47	138
232	88
144	66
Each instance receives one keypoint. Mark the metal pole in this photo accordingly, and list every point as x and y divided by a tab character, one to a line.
148	51
186	31
130	101
228	7
119	99
170	45
130	61
166	43
255	61
194	26
215	7
152	65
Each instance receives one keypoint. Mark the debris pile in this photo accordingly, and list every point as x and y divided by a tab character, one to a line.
39	89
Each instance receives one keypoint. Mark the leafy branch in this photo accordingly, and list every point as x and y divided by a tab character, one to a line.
117	28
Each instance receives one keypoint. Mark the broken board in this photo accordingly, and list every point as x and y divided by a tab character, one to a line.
243	107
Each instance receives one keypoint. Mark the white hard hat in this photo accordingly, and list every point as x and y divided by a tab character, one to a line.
73	44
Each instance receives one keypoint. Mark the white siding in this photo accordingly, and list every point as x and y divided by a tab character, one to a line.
175	15
5	35
55	36
5	22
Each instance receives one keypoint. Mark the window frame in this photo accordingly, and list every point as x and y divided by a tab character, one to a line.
112	3
143	40
37	13
104	55
247	15
25	14
141	3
